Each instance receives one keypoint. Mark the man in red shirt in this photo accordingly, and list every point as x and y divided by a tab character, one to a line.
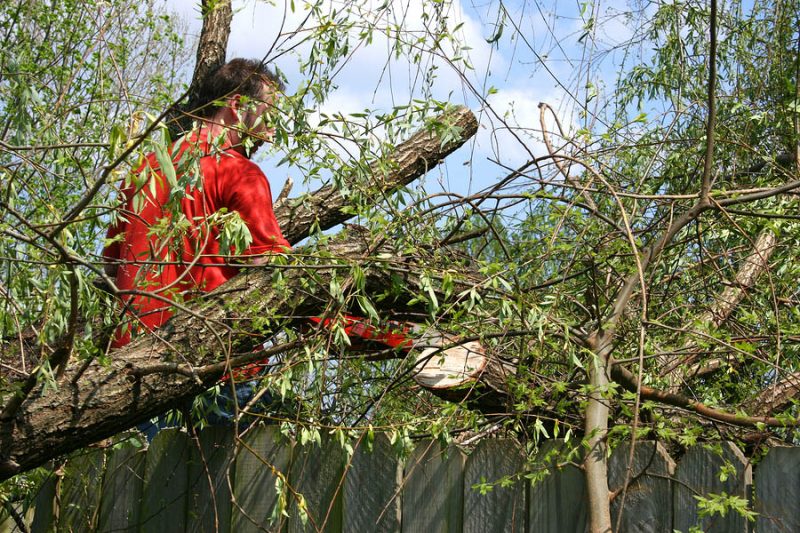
166	242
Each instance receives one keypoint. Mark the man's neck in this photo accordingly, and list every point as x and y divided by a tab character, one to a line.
220	136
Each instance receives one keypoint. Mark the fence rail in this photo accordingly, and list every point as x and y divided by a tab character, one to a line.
215	484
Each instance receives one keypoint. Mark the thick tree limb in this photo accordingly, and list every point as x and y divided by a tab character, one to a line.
411	159
684	367
777	397
108	399
211	50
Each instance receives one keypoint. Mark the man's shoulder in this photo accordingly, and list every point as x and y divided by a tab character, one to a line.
234	174
230	161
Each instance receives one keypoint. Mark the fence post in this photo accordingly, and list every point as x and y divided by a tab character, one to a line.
166	484
372	487
777	482
80	491
43	517
316	473
499	508
648	503
698	474
122	489
262	455
433	489
209	498
557	503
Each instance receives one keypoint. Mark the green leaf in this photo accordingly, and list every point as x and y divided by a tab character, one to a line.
166	166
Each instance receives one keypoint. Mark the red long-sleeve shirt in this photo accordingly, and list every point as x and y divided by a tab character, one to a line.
175	262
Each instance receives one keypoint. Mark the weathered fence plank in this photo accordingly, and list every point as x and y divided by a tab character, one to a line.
777	482
698	474
8	524
317	473
371	500
209	504
262	454
166	483
494	508
80	491
122	489
648	498
44	516
433	489
439	491
557	503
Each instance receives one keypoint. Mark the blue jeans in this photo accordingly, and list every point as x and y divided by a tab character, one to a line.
218	409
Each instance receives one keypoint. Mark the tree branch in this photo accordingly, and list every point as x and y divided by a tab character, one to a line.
411	159
211	49
678	369
631	383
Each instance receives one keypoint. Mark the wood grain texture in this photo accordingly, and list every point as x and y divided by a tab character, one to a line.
698	474
557	503
122	489
502	509
453	367
209	498
263	454
648	503
317	473
43	518
166	483
433	489
371	500
80	492
777	483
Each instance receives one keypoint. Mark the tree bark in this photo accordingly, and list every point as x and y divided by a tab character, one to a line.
189	353
410	160
777	397
595	464
211	51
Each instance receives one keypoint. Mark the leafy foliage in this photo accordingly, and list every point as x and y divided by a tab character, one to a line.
601	232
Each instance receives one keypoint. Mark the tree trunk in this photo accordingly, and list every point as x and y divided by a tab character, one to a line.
211	51
597	413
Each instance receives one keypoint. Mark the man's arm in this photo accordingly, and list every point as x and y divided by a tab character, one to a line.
251	197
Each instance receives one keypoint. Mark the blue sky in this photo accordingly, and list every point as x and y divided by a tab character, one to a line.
538	57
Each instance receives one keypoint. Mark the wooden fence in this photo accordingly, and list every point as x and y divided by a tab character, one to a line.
177	485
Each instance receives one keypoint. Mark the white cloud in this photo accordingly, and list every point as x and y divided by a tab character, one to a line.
512	127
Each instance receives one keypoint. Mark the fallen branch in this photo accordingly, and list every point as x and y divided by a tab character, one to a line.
410	160
776	397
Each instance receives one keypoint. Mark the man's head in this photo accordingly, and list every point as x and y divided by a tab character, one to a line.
238	96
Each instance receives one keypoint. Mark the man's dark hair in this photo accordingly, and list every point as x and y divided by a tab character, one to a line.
237	76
